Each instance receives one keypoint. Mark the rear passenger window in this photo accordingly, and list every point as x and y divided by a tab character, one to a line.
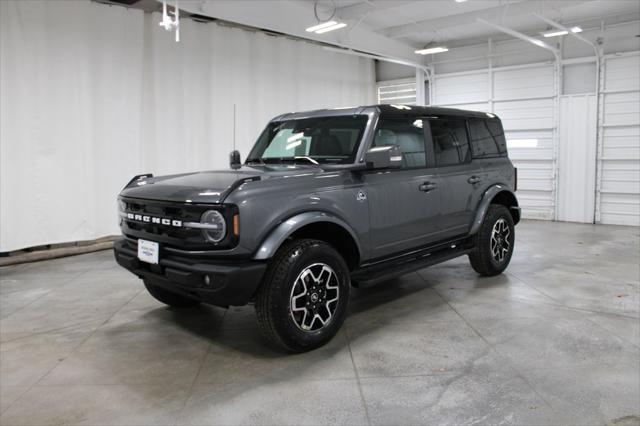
408	135
450	142
495	128
482	142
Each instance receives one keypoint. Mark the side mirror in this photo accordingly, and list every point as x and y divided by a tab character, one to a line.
384	157
234	160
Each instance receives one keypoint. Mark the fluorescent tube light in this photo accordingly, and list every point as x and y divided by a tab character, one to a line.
321	26
460	1
331	28
555	33
432	50
522	143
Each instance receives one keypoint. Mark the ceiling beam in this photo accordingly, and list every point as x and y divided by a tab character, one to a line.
521	36
293	17
357	10
467	18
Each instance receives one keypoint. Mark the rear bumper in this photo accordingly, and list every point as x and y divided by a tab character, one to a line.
229	282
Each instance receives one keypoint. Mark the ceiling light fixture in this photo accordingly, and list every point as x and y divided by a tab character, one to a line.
460	1
555	33
331	28
325	27
320	26
431	50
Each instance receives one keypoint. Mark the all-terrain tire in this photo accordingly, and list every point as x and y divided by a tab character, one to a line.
168	297
483	258
274	298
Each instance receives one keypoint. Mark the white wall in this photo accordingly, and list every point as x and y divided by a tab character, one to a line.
93	94
618	195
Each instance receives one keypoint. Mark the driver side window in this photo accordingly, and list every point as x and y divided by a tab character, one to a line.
407	133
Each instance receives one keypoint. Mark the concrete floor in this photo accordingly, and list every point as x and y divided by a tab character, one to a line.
556	339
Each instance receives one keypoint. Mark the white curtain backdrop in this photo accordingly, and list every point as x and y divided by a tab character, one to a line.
92	95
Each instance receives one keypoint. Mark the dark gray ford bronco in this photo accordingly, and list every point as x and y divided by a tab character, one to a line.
326	200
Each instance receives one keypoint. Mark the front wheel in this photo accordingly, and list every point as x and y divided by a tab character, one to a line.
493	244
303	299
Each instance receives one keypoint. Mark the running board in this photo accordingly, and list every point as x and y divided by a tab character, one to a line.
371	275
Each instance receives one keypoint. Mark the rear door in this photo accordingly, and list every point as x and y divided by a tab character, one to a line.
460	177
404	203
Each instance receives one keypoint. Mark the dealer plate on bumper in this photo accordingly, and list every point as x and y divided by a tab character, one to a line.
148	251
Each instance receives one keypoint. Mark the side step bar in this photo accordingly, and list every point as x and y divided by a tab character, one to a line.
371	275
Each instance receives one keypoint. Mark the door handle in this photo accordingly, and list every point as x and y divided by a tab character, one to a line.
427	186
474	179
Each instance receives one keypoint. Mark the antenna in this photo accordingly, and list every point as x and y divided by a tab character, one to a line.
177	22
234	127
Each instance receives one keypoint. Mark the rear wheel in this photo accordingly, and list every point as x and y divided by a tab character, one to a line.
303	300
493	244
168	297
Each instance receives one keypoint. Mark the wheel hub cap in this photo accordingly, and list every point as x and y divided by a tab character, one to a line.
314	297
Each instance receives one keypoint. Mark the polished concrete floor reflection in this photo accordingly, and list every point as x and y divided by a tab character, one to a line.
554	340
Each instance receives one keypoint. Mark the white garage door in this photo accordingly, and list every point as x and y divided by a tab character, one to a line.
524	98
397	92
619	157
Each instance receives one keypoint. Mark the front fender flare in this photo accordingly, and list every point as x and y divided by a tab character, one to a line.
487	197
277	236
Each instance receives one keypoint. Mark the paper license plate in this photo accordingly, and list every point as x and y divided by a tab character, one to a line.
148	251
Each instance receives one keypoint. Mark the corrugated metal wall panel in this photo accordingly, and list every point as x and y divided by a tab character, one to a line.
465	88
533	82
396	92
619	156
533	114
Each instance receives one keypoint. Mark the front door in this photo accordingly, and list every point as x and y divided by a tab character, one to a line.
404	203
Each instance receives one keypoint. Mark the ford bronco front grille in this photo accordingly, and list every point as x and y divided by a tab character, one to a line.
164	222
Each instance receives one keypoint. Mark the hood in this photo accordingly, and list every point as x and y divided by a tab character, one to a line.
206	187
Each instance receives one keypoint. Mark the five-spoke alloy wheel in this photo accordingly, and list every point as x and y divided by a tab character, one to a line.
314	297
500	244
493	243
303	299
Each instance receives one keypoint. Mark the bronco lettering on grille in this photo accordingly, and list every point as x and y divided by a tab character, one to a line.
153	219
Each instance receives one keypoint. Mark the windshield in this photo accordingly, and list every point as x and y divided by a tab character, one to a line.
332	140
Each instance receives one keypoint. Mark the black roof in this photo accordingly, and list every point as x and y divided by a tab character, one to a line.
386	110
417	110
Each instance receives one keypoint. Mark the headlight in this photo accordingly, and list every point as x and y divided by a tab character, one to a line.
122	206
216	228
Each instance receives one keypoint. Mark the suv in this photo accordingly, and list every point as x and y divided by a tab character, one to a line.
326	200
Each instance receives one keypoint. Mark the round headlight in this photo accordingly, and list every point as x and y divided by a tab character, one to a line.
216	227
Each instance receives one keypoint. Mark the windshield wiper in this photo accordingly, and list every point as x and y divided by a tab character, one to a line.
294	160
304	157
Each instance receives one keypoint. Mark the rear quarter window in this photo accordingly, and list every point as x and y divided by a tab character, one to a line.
496	130
483	144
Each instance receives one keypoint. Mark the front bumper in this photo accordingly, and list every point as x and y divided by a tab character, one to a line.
231	282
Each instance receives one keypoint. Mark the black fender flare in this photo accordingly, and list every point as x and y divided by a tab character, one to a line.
284	230
485	202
